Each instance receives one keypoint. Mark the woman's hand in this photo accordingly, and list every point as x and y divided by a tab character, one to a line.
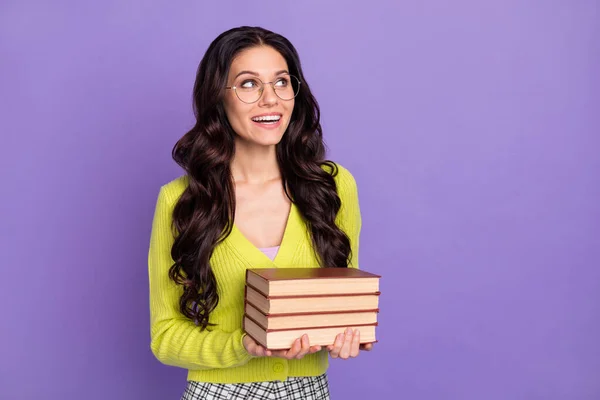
299	349
253	348
347	345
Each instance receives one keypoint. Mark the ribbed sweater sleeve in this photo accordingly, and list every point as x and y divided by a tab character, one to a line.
175	340
349	217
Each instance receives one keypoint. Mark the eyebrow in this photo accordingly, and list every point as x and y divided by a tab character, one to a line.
283	71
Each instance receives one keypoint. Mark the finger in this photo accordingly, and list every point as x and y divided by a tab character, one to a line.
332	347
354	346
278	353
305	347
366	346
337	346
294	350
248	343
339	342
252	347
262	351
345	351
256	351
314	349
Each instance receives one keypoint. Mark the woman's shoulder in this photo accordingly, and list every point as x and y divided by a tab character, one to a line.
172	190
349	213
344	179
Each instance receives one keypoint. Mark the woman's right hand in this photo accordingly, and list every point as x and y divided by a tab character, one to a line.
299	349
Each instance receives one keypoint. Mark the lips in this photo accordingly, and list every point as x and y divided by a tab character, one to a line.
271	118
268	121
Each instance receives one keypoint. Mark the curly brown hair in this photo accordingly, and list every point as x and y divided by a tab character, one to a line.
204	214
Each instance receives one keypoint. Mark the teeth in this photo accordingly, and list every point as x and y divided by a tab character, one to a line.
267	118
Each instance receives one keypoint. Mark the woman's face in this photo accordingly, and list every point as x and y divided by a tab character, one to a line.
263	122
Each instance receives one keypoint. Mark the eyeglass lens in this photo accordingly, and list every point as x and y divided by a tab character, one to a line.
249	90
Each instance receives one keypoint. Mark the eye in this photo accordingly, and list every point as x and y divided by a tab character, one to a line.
249	84
282	82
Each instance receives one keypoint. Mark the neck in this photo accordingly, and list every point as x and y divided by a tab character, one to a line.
254	164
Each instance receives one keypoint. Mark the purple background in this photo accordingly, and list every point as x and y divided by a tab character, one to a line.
471	127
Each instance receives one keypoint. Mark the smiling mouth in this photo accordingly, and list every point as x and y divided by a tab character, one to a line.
267	119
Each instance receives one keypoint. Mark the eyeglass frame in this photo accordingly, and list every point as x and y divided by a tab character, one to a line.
262	89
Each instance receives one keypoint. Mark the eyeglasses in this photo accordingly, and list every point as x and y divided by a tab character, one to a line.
249	90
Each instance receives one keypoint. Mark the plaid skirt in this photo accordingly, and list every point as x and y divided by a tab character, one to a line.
294	388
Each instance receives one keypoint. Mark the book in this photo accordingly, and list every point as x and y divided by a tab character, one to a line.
311	303
282	304
283	339
311	281
310	320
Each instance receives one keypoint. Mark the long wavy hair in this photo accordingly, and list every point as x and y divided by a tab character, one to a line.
204	214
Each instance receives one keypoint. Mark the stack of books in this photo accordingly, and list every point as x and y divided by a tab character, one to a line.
282	304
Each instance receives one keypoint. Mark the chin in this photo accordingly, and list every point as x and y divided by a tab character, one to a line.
270	142
269	139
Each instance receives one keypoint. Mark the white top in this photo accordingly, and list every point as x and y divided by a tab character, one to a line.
270	252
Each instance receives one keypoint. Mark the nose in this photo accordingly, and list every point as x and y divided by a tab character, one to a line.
269	97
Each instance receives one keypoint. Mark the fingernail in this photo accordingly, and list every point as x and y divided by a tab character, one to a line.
348	331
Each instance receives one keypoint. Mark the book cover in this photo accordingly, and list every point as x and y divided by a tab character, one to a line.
278	274
311	281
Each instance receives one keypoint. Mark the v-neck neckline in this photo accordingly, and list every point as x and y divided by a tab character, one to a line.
255	256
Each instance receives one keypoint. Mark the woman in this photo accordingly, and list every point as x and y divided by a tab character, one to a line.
257	193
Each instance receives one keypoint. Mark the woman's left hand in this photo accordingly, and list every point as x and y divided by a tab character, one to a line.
347	345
